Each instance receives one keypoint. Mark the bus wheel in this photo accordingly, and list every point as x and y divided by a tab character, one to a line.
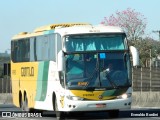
25	104
21	102
113	113
59	114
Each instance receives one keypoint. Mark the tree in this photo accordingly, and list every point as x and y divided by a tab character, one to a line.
147	48
133	23
143	46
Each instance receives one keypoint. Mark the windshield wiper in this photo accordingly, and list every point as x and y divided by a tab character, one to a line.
111	82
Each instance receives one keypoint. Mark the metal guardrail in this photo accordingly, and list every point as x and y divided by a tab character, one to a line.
5	85
146	79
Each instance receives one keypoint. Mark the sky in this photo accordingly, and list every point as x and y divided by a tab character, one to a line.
25	15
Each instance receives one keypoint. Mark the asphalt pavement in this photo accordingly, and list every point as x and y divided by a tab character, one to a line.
10	112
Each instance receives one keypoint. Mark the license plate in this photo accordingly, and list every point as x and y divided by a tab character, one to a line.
100	105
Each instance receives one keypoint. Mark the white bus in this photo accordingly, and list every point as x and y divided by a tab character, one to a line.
72	67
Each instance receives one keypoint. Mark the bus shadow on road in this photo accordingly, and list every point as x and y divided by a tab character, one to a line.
80	115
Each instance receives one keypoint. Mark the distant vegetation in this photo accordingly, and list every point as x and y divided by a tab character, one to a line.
134	24
147	47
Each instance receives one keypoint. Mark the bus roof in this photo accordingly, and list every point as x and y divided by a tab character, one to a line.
88	29
69	28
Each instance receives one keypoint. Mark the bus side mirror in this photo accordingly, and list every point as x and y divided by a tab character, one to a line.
135	55
60	61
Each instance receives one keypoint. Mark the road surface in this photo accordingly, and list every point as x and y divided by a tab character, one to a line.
7	110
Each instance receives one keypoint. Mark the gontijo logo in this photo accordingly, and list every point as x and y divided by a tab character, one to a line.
27	71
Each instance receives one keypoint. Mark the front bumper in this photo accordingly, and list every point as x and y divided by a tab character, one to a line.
71	105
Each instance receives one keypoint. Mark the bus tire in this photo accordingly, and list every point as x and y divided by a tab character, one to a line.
113	113
25	108
25	104
59	114
20	100
21	105
53	101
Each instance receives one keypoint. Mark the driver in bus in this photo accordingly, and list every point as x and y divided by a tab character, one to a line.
108	71
109	68
103	75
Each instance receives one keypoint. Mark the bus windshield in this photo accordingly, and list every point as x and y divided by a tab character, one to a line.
100	70
95	42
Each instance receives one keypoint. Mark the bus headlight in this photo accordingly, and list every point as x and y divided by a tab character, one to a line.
74	98
124	96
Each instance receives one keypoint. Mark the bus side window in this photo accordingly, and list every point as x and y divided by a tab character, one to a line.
27	50
33	56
